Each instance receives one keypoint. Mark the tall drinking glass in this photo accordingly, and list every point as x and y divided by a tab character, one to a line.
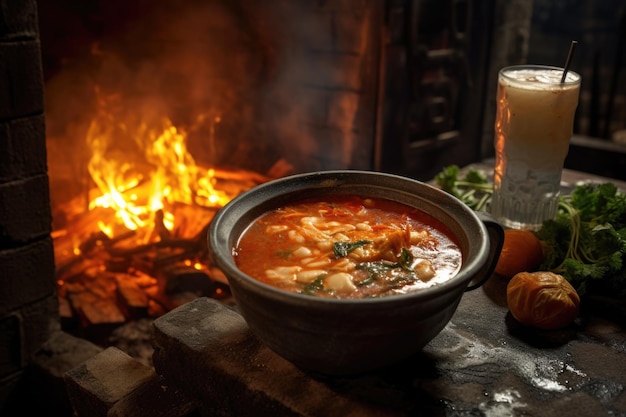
533	127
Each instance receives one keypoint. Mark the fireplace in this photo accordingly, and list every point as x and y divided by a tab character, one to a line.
187	105
256	89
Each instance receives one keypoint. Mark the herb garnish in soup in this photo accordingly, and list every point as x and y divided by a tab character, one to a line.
348	247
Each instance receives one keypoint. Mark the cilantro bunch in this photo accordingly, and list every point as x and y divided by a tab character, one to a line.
586	243
473	188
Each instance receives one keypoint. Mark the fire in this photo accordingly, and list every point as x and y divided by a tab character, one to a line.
132	243
143	189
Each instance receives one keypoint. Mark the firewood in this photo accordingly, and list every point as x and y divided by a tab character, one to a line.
190	220
94	309
132	295
109	274
180	278
133	299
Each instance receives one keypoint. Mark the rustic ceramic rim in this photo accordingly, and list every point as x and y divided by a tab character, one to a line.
232	220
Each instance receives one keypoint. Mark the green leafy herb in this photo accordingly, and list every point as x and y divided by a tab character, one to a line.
393	273
377	268
472	188
314	287
587	241
342	249
406	259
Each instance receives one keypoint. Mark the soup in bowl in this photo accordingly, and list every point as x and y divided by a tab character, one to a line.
348	246
344	272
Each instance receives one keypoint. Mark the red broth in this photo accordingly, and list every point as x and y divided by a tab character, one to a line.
348	247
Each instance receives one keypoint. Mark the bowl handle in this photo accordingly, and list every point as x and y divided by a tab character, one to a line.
496	240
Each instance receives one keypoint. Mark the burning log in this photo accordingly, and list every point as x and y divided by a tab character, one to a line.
109	274
133	244
96	310
133	297
193	221
184	278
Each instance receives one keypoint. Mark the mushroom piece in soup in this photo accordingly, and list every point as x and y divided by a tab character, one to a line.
348	247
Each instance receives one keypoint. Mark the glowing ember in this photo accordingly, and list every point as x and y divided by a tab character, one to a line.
134	244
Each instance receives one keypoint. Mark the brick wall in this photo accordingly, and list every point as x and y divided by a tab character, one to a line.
28	302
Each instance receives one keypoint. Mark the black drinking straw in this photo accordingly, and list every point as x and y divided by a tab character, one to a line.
568	61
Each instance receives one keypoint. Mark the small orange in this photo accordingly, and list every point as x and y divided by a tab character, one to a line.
542	299
521	252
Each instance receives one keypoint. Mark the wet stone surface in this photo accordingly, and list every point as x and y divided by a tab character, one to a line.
482	364
579	371
485	364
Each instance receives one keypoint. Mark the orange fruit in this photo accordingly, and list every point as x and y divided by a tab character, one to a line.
542	299
521	252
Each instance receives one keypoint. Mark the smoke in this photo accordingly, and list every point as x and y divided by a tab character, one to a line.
263	80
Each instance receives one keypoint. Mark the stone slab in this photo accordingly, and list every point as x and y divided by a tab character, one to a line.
113	384
482	363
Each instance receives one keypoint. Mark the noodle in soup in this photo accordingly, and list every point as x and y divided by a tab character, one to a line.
348	247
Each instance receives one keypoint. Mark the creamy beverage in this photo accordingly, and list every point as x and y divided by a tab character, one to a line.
534	123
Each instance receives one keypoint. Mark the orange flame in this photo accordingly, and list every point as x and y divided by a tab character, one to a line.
141	187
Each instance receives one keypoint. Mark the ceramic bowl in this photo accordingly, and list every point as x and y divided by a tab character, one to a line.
352	336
